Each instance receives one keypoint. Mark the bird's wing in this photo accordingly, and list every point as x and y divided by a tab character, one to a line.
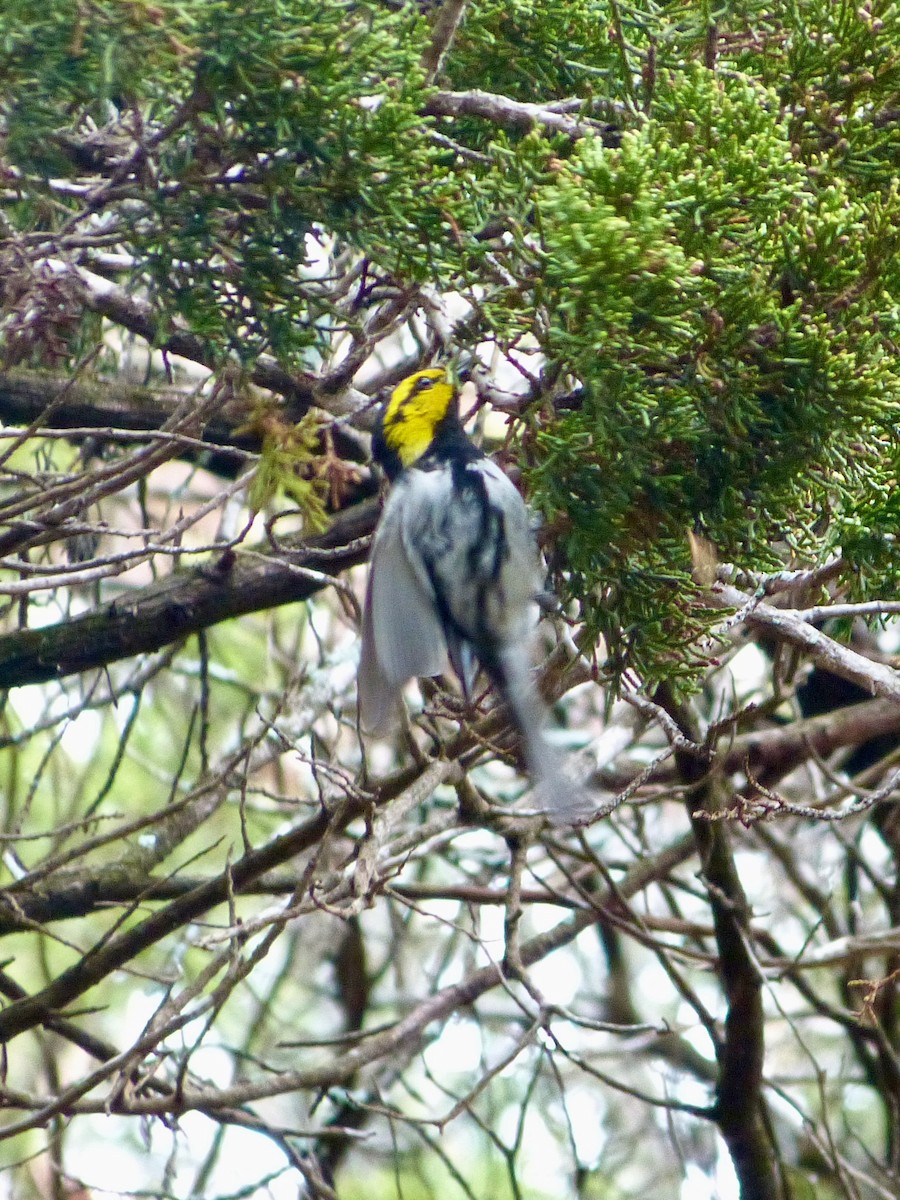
402	635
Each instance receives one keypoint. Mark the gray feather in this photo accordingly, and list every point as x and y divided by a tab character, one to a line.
402	637
481	603
379	698
564	801
459	550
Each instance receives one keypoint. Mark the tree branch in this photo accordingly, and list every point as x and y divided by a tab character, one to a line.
515	114
26	1013
443	31
789	625
771	753
102	296
109	407
738	1109
152	617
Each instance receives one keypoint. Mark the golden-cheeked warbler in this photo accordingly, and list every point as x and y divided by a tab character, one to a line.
455	571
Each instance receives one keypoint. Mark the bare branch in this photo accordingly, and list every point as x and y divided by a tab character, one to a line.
100	295
517	114
153	617
738	1107
443	31
789	625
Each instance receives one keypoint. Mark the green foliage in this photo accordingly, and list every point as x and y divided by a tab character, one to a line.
706	316
723	304
524	49
288	466
722	287
69	60
316	107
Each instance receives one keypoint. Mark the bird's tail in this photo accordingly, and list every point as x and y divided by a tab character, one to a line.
564	801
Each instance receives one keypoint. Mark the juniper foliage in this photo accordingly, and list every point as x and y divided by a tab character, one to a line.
720	288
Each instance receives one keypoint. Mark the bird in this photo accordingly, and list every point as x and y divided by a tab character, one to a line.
455	571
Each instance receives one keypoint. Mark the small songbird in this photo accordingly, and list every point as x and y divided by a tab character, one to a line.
455	571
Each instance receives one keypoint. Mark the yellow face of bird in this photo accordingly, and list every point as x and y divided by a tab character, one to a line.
416	408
